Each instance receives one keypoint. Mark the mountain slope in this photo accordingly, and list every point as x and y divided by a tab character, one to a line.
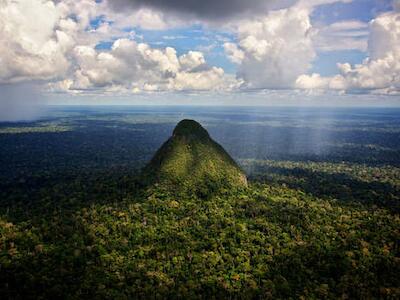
190	159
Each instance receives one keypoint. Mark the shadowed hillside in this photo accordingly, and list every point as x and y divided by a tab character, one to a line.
191	160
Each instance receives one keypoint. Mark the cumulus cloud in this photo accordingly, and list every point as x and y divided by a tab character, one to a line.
272	51
54	42
31	47
233	52
132	66
51	41
380	72
37	36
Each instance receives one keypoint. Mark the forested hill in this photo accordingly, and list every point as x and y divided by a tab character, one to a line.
190	160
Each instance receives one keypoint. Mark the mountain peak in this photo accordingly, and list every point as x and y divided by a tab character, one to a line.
188	128
190	159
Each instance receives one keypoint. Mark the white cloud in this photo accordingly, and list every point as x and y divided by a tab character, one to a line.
192	60
132	66
344	35
31	45
43	40
144	18
235	54
274	50
380	72
37	36
53	41
314	81
314	3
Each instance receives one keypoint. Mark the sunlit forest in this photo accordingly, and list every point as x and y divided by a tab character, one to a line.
319	218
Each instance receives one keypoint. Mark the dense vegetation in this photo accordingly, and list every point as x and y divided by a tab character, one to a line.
192	162
74	224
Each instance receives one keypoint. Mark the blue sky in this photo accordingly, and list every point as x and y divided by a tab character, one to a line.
210	40
231	50
362	10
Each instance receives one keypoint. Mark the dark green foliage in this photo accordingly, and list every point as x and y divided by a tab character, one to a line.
74	225
191	161
267	241
348	183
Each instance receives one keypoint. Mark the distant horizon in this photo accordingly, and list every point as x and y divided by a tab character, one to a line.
219	105
319	53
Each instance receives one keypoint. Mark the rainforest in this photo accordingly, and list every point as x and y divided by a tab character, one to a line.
275	203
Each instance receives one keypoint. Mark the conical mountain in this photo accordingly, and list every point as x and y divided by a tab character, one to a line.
191	160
